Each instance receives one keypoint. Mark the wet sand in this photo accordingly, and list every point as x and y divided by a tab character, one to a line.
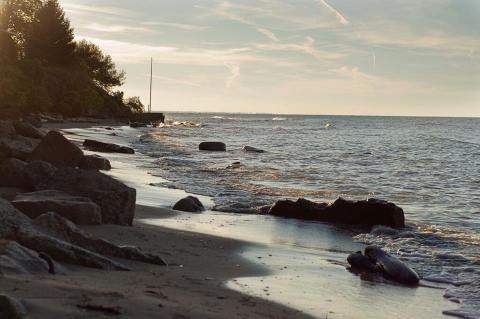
193	286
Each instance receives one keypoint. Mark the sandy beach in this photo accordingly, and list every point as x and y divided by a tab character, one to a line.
192	286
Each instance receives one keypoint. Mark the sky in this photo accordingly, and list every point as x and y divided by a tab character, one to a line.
345	57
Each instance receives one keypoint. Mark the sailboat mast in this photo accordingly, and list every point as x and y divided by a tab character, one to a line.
151	82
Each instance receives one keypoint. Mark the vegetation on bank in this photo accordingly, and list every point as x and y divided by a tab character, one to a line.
44	69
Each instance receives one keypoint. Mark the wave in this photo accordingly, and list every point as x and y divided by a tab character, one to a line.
279	119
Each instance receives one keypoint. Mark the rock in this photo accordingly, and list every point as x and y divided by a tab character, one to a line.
7	129
252	149
189	204
137	125
33	119
363	213
9	193
80	210
54	148
37	172
18	260
212	146
18	227
116	200
392	267
11	308
64	229
95	162
107	147
17	147
12	172
28	130
360	262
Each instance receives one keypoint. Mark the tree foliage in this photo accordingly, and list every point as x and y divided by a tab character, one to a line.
100	66
51	39
42	68
135	105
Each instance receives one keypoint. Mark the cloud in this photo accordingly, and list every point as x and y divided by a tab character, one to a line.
176	81
269	34
180	26
234	74
79	9
114	28
335	12
307	47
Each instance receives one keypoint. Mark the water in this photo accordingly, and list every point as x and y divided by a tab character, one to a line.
428	166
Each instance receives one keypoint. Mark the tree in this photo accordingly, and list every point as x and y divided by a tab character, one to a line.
8	49
17	17
51	39
100	66
135	105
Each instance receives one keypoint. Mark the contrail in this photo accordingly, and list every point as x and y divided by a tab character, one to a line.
337	14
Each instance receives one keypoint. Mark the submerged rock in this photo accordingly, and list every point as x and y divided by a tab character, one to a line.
363	213
212	146
252	149
116	200
107	147
189	204
57	150
80	210
360	262
95	162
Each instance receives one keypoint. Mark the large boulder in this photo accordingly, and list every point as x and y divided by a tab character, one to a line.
363	213
95	162
116	200
80	210
57	150
12	173
28	130
9	193
17	147
16	259
212	146
11	308
37	172
97	146
189	204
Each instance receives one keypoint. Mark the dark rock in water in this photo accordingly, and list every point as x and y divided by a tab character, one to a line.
18	260
12	173
116	200
62	228
252	149
28	130
363	213
212	146
57	150
138	125
107	147
11	308
234	165
360	262
33	119
7	129
95	162
189	204
17	147
80	210
392	267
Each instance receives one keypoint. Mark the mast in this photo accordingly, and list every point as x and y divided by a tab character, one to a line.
151	81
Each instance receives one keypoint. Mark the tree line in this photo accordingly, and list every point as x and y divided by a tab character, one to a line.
43	68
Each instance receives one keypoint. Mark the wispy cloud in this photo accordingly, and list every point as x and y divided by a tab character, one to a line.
269	34
335	12
307	47
107	10
234	74
179	26
114	28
